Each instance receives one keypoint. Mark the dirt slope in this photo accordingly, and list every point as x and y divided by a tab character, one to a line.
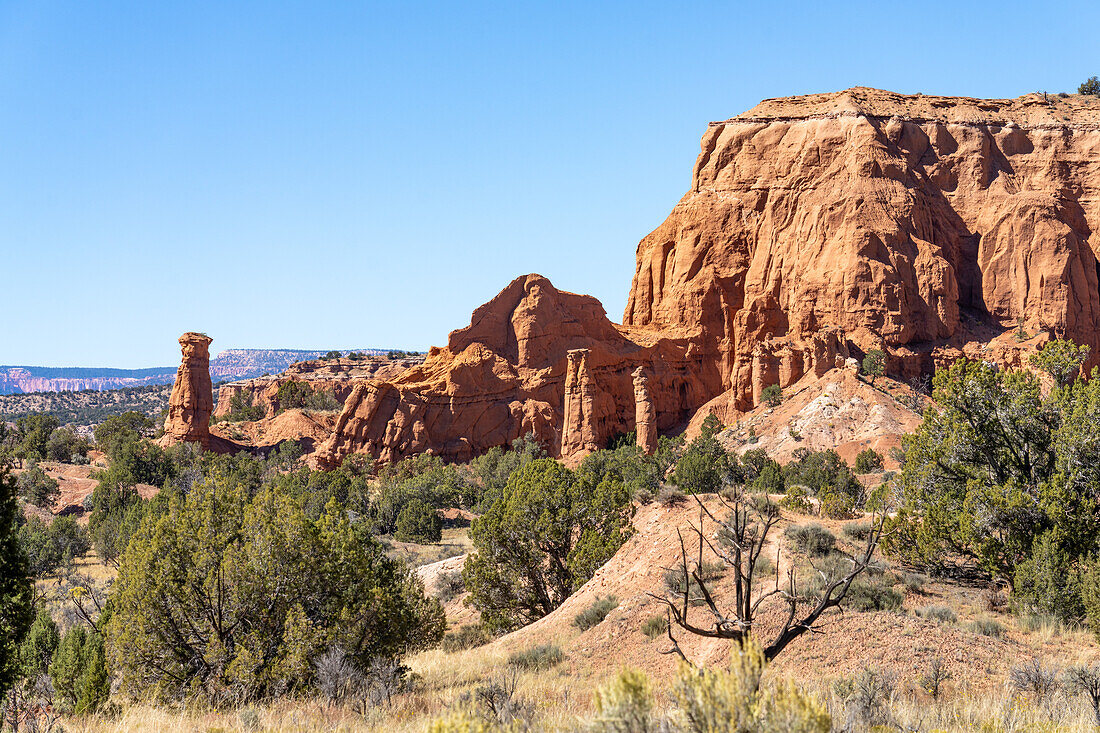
900	641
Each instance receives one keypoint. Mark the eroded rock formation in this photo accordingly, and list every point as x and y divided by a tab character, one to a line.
508	374
645	415
816	228
192	400
897	222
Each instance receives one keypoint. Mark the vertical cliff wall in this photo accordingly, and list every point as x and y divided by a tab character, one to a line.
877	220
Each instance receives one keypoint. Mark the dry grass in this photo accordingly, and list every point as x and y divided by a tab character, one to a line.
455	541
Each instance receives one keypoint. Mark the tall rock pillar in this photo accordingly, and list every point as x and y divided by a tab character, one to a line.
578	432
192	400
645	414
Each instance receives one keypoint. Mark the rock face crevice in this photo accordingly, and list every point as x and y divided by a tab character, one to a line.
192	400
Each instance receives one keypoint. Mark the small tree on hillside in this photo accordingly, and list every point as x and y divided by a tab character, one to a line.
874	364
1090	86
541	539
772	396
742	536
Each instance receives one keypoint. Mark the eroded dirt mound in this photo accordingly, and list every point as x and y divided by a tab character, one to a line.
896	640
308	428
837	411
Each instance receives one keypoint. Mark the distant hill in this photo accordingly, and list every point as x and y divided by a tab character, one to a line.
228	365
87	408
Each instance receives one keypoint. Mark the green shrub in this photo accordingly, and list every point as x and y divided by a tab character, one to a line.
772	396
596	613
812	539
544	656
868	461
836	505
874	364
1048	581
939	614
36	486
242	409
448	585
797	499
986	627
541	540
464	637
294	394
869	594
418	522
655	626
1090	86
253	638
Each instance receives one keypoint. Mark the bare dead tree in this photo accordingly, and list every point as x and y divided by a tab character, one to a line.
744	536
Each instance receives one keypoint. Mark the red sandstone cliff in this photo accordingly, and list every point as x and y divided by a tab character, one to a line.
816	228
897	222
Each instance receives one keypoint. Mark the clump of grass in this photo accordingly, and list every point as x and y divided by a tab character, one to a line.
1049	626
939	614
812	539
764	567
464	637
913	582
668	495
655	626
544	656
986	627
596	613
858	531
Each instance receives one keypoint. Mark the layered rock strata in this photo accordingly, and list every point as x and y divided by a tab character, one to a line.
336	376
816	229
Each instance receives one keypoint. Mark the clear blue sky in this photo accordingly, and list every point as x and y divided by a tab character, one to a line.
344	174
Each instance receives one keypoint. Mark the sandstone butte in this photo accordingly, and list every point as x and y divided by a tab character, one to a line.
815	229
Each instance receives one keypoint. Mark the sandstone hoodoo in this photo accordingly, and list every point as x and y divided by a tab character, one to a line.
816	229
645	415
192	399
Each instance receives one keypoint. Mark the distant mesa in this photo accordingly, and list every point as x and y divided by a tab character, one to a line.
231	364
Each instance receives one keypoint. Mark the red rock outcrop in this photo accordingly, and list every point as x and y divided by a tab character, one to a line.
192	398
866	219
508	374
816	228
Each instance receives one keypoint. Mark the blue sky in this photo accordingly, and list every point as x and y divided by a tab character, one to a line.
317	175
